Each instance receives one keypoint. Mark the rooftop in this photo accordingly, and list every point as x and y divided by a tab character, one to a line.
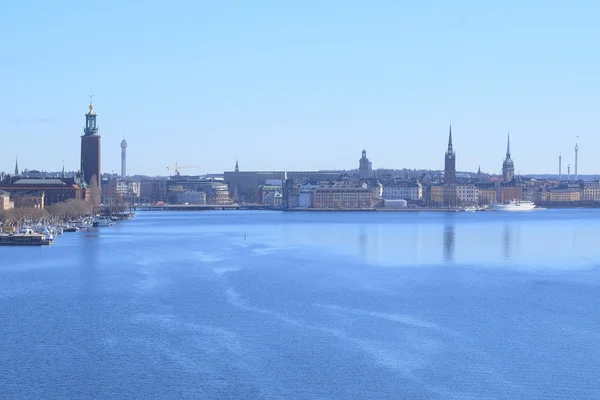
39	181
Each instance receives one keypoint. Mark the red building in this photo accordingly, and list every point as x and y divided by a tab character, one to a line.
51	190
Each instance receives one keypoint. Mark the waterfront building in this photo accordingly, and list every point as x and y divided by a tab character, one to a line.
5	202
508	193
217	192
243	185
365	168
487	195
342	196
190	197
305	196
395	203
153	191
590	191
563	194
266	194
90	149
436	195
467	195
376	191
450	195
508	166
291	194
272	199
133	189
111	188
47	191
539	195
450	161
402	190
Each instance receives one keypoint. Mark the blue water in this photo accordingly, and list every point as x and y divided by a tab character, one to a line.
268	305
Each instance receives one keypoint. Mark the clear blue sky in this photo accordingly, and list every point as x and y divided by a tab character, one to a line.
301	85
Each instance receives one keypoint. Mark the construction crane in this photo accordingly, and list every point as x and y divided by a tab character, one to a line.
177	167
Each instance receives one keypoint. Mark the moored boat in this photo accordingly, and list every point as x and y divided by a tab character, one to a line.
514	205
102	222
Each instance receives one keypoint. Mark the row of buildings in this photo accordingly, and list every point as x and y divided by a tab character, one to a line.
304	189
335	189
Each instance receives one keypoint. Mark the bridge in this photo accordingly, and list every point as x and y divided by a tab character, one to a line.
199	207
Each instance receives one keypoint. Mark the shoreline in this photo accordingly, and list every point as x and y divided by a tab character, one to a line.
369	210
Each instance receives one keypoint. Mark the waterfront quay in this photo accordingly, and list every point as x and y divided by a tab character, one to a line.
199	207
24	239
207	207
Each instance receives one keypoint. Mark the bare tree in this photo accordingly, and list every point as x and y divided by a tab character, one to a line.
95	192
70	209
118	205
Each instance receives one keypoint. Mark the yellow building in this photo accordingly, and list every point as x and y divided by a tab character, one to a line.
487	196
342	196
436	195
564	195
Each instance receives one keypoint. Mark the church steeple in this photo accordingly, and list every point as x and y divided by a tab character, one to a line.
63	170
450	161
16	167
479	171
237	166
450	150
508	166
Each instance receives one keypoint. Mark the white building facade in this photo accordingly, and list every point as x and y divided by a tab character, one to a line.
403	191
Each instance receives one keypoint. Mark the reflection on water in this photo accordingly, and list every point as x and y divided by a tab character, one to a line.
507	242
449	242
362	240
89	255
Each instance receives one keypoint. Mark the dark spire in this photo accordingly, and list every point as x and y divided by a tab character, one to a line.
16	167
237	166
508	146
63	170
450	141
479	170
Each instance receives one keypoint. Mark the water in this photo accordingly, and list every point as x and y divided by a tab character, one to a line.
267	305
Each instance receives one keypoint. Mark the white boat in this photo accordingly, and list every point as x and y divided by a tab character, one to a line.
26	230
471	209
100	222
514	205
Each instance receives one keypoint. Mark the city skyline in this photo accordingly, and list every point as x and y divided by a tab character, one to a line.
323	82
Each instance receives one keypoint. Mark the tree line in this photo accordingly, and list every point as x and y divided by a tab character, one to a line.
68	210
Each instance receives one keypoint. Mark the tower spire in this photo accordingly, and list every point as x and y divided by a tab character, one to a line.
576	154
450	140
450	161
91	107
508	146
16	166
63	170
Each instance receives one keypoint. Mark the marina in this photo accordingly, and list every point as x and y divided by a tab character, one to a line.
42	233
